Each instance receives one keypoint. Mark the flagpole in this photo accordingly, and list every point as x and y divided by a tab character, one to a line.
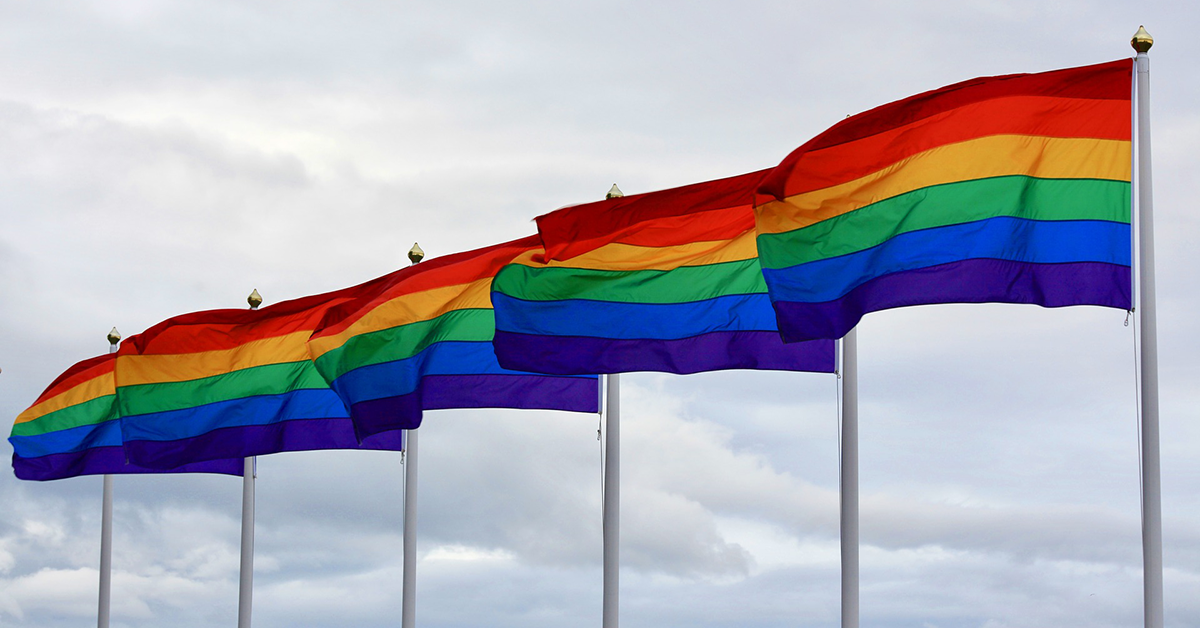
408	615
612	499
408	612
246	569
1152	565
106	516
848	485
612	488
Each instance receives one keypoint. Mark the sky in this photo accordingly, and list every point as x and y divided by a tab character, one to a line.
158	158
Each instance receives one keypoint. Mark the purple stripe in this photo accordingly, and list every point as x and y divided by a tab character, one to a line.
568	355
573	394
402	412
258	440
102	460
970	281
440	392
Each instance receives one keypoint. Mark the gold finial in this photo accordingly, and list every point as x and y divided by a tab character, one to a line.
614	192
415	254
1142	40
255	299
114	336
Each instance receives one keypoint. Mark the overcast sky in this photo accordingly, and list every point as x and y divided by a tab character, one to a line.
158	158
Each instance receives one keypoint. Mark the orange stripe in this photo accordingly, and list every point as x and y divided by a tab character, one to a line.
182	367
85	391
1002	155
409	308
625	257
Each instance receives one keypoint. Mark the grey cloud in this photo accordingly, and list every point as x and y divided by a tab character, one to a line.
670	533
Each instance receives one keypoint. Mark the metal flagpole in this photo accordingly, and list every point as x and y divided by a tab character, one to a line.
1152	565
246	569
612	499
848	488
106	515
408	613
612	488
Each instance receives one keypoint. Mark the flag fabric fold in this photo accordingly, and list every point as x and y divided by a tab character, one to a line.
73	429
421	339
667	281
1011	189
230	384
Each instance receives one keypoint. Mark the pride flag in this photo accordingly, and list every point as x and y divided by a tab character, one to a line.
232	384
73	429
665	281
421	339
1012	189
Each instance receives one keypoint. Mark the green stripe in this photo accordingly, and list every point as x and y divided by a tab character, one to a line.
948	204
269	379
686	284
405	341
90	412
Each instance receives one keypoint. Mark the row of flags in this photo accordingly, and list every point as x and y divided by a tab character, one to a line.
1005	189
344	370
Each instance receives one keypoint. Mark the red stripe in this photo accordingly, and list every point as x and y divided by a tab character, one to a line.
860	139
1101	119
218	330
79	373
448	270
713	210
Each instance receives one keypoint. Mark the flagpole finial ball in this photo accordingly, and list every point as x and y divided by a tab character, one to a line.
415	254
255	299
114	336
614	192
1142	40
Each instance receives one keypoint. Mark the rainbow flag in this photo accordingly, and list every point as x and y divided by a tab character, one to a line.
1012	189
666	281
421	339
73	429
232	384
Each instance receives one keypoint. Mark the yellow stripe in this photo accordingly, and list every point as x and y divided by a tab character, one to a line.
411	308
86	391
994	156
183	367
619	256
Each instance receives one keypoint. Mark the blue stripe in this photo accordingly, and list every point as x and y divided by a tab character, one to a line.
634	321
315	403
106	434
1002	238
400	377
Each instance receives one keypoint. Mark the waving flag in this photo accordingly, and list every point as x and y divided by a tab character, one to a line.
73	429
232	383
1010	189
666	281
421	339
